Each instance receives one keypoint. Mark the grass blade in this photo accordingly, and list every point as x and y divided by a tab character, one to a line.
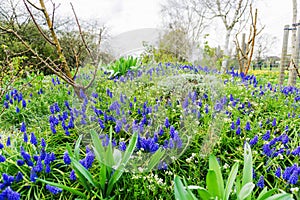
72	190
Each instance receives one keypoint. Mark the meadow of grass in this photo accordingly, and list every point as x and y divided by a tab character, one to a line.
179	114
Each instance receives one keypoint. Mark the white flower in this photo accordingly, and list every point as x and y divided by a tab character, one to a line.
294	190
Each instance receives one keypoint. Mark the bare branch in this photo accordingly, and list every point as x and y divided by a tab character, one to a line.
37	26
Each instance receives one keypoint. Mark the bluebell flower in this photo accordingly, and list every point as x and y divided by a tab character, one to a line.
19	177
167	123
266	136
8	141
294	177
247	127
287	173
122	146
5	104
284	139
20	162
206	109
72	175
260	182
232	126
296	151
43	143
23	127
7	97
39	166
162	166
47	169
238	121
274	122
2	159
53	190
33	139
253	141
9	194
267	150
185	103
278	172
33	176
24	103
66	158
238	130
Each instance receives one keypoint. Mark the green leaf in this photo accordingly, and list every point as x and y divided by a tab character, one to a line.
204	194
214	165
120	170
72	190
230	180
246	191
84	172
247	170
212	183
100	156
265	193
155	159
282	196
77	147
180	191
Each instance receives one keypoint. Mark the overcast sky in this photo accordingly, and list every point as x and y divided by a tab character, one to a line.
125	15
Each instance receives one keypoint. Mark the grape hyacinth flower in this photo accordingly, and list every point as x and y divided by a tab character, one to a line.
253	141
8	193
260	182
274	122
248	127
33	139
53	190
278	172
66	158
266	136
238	130
72	175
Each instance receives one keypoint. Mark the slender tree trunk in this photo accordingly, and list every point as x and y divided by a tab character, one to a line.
283	60
226	51
293	62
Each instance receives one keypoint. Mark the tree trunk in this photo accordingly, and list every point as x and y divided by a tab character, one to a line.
283	60
293	62
226	51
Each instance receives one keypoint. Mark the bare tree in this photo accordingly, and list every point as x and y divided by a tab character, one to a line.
293	62
245	52
187	15
59	66
264	44
231	12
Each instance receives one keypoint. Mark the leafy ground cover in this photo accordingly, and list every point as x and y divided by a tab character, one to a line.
127	137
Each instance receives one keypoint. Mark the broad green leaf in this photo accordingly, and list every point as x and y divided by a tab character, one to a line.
214	165
77	147
246	191
81	178
265	193
155	158
204	194
230	180
180	191
247	170
83	171
72	190
212	184
282	196
120	170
